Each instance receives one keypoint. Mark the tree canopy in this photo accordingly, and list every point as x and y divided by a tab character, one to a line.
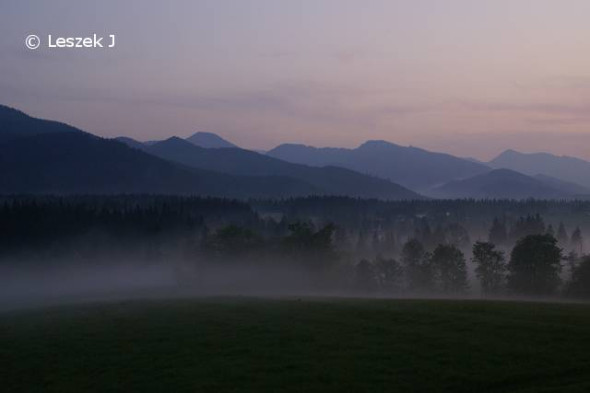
535	264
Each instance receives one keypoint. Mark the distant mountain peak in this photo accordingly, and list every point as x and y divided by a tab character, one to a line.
509	152
301	145
411	167
175	143
377	143
209	140
174	138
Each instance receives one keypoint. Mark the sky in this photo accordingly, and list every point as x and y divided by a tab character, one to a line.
471	78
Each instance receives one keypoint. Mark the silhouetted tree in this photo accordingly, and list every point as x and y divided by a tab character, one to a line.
579	286
534	265
315	249
449	262
491	267
529	225
417	266
389	273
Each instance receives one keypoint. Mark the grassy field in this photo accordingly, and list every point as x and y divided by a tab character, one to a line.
308	345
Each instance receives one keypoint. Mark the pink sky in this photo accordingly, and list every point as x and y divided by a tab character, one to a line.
467	77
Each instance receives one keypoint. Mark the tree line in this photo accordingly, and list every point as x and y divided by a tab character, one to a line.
533	267
446	247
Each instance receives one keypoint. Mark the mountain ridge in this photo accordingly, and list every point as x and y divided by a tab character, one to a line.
333	180
74	163
374	169
15	124
565	168
500	184
411	167
37	158
209	140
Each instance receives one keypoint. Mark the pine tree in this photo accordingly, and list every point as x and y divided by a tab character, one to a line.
491	267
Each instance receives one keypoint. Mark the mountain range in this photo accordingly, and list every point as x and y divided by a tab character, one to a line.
50	157
42	156
235	161
501	184
80	163
566	168
441	175
411	167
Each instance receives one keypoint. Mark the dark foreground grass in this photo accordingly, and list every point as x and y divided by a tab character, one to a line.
311	345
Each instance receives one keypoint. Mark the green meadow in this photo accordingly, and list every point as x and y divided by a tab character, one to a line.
297	345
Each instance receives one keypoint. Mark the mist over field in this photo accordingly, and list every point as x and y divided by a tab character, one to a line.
144	247
69	283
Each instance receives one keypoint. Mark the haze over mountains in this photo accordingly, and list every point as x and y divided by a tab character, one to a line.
498	184
40	156
562	167
443	175
569	188
411	167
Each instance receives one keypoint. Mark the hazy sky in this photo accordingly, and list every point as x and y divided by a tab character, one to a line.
462	76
